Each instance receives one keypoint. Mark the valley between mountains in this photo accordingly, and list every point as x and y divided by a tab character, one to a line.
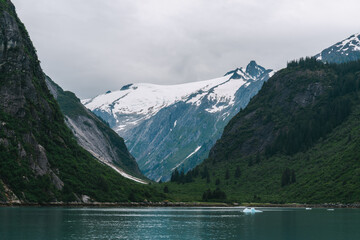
250	135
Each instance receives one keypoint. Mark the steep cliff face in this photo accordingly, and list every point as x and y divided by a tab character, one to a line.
94	135
40	160
26	107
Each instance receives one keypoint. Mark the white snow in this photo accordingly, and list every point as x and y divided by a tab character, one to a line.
175	123
117	169
352	43
147	99
251	210
195	151
141	101
225	94
271	73
124	174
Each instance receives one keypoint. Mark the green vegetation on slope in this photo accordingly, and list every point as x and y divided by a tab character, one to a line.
40	161
297	141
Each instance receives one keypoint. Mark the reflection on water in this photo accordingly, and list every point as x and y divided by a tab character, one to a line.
178	223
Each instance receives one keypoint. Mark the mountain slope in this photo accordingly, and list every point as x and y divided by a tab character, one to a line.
94	135
168	127
344	51
296	141
40	160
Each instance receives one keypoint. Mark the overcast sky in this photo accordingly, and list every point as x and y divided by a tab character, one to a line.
91	46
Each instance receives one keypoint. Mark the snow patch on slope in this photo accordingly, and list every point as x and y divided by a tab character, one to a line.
195	151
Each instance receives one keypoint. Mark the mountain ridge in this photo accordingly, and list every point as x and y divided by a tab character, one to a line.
155	119
343	51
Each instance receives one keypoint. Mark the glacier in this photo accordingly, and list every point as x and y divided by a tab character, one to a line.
174	126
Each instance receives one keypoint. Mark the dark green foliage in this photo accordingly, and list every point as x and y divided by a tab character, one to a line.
227	174
257	159
250	161
39	121
288	177
237	172
181	177
132	197
166	189
309	149
175	176
217	181
217	194
306	63
205	173
256	199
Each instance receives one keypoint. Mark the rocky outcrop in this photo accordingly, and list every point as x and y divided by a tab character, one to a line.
24	96
40	160
93	134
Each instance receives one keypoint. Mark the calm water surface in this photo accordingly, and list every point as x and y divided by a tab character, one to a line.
178	223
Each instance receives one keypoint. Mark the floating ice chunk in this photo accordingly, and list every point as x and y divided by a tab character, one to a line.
251	210
308	208
331	209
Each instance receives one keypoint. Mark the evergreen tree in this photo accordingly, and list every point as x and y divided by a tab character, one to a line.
217	182
205	173
182	177
227	174
293	177
237	172
175	176
285	178
257	159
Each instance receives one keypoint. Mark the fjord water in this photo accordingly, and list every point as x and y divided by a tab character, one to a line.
178	223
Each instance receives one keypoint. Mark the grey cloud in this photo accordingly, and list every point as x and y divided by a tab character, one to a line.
91	46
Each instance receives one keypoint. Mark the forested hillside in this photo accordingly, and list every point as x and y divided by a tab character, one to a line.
297	141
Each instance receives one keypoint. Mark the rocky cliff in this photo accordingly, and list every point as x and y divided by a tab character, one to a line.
94	135
40	160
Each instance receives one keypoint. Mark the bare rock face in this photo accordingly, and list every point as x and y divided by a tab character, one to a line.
93	134
40	159
8	195
41	166
25	104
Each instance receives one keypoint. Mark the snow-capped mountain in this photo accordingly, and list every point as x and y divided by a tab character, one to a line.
344	51
174	126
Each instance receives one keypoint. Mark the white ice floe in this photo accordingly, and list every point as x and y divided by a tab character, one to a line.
251	210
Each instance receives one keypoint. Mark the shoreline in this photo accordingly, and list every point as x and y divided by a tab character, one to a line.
178	204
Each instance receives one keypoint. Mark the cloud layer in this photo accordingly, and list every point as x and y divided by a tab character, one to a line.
91	46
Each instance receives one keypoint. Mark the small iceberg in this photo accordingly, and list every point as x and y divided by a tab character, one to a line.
251	210
331	209
308	208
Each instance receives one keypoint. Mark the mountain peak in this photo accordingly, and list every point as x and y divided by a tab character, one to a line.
254	70
344	51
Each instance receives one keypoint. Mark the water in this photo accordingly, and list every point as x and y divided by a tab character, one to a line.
178	223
